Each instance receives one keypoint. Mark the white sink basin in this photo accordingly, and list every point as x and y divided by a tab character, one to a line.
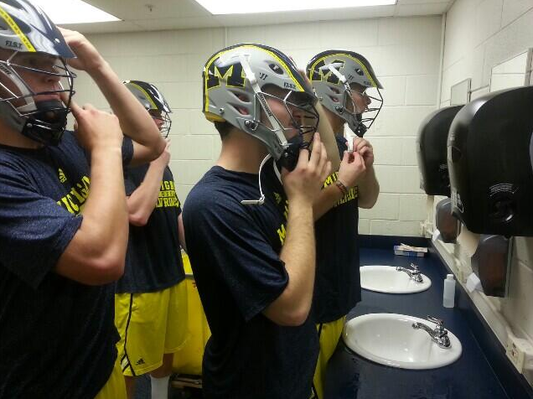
388	280
391	340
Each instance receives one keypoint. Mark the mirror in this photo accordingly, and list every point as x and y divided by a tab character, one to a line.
514	72
479	92
460	92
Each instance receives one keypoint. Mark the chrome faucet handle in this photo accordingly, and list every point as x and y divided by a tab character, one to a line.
415	268
436	320
440	325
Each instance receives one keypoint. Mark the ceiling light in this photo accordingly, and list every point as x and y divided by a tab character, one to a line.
217	7
63	12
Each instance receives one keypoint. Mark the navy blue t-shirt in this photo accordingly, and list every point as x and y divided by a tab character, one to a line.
57	336
153	260
234	251
337	283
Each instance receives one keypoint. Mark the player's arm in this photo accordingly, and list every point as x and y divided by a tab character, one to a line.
351	172
302	185
142	201
368	186
96	253
135	122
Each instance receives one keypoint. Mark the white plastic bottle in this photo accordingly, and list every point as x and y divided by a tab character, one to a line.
448	296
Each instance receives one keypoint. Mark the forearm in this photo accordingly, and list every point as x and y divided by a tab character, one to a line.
135	122
326	200
105	219
97	252
328	138
368	189
143	200
298	253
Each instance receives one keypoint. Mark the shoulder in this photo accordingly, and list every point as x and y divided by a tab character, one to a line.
218	196
11	163
211	199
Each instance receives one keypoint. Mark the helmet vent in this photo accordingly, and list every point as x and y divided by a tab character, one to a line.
359	71
276	68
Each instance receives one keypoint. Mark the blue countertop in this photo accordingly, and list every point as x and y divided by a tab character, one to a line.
471	377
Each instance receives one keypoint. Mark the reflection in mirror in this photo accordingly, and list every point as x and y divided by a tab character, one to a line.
481	91
514	72
460	92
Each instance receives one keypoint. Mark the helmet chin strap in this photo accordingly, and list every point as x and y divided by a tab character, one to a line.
261	199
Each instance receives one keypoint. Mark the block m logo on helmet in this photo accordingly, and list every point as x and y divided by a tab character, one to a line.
232	74
321	72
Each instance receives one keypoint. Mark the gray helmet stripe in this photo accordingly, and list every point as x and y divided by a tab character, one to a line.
339	75
259	93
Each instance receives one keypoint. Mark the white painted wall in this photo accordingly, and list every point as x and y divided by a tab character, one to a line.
479	35
405	53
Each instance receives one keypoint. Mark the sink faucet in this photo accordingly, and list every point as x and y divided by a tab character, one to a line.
413	273
439	335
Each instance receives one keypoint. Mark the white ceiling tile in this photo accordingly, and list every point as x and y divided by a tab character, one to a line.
105	27
421	9
186	14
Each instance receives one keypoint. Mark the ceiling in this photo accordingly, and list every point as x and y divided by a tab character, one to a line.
151	15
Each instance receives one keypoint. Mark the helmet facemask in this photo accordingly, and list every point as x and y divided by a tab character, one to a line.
42	120
167	121
366	118
302	115
360	120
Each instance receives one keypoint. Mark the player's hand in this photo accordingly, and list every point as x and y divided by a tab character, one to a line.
96	129
305	181
352	169
164	158
365	149
88	58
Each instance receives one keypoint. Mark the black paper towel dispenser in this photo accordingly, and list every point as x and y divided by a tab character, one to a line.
490	160
431	151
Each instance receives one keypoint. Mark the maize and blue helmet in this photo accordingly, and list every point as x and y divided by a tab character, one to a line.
153	101
236	88
334	75
25	28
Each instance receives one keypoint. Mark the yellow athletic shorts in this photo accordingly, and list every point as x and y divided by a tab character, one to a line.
329	335
189	358
115	387
150	325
